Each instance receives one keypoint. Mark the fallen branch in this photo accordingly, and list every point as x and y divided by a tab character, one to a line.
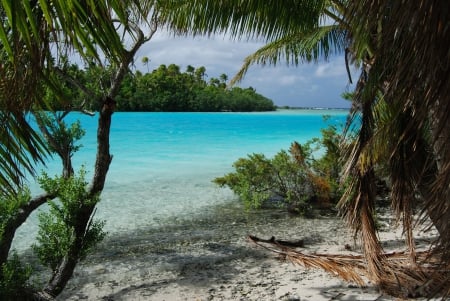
291	244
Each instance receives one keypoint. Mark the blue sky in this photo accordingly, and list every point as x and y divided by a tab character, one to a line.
307	85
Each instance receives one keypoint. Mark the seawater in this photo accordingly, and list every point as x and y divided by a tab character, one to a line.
164	163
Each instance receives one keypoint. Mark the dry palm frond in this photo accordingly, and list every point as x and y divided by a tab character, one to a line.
399	277
348	267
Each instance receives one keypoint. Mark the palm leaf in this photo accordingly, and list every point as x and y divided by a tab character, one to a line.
297	48
402	279
268	19
20	147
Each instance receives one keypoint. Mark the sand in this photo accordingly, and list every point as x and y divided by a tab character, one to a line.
209	258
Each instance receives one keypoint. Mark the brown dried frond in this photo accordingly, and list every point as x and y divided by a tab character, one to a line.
399	276
297	153
410	43
348	267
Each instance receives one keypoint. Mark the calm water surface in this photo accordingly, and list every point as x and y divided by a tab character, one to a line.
164	162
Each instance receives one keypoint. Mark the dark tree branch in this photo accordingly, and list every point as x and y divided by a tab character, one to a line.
66	267
17	220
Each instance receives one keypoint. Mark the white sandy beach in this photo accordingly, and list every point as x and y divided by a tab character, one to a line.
211	259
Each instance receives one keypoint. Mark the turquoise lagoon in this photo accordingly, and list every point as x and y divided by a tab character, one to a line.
164	163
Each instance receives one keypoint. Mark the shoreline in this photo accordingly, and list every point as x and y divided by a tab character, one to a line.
209	258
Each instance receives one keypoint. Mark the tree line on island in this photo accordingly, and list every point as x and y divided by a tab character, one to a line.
167	89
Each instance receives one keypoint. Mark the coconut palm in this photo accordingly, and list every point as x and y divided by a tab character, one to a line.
328	37
408	87
410	66
296	31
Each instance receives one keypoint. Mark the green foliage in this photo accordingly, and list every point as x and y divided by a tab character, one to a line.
62	136
165	89
251	181
9	206
14	278
168	89
295	179
260	181
57	227
13	275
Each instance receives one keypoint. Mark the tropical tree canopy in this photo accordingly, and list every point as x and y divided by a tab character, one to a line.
34	37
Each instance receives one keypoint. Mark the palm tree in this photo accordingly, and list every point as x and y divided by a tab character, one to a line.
146	61
402	77
409	72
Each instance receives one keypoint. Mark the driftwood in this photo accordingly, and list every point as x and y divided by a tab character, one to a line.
283	243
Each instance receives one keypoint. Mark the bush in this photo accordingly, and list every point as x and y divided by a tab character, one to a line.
14	278
57	227
292	179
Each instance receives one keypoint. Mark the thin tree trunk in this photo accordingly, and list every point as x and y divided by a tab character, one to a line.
65	269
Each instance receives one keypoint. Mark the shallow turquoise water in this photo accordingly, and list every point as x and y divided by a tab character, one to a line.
164	162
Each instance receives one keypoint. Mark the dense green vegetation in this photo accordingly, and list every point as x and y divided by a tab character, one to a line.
298	180
58	226
165	89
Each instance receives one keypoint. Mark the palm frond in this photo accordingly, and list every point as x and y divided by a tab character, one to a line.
20	148
267	19
414	64
300	47
357	204
426	277
348	267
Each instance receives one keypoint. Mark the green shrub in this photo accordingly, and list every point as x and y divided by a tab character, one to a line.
10	206
14	278
56	228
293	179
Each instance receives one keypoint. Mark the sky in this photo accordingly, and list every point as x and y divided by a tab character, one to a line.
306	85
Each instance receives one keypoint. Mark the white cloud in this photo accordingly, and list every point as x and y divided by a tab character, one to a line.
335	68
288	80
218	54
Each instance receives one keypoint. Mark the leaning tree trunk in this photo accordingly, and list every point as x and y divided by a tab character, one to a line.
65	269
13	223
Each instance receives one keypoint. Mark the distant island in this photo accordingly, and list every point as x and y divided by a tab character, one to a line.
167	89
310	108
